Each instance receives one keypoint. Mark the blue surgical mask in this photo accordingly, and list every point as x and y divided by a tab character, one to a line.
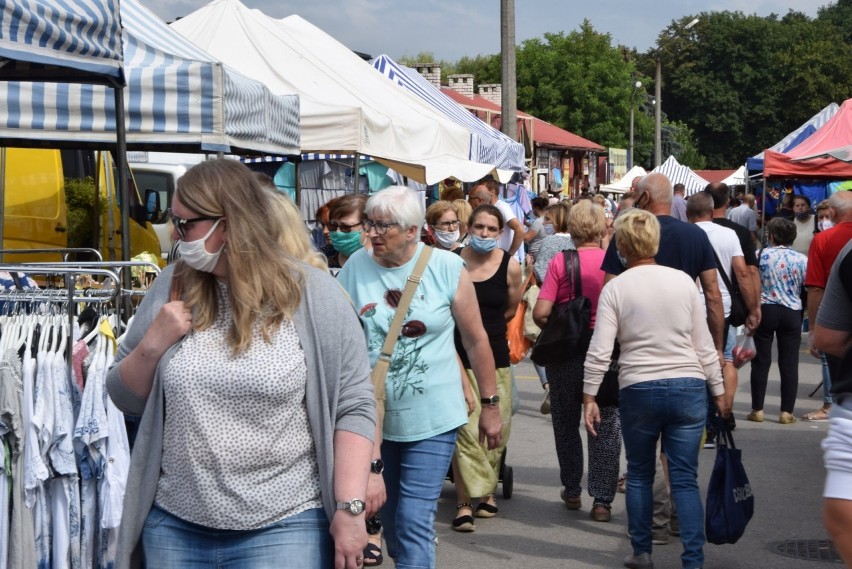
482	244
548	229
346	243
621	258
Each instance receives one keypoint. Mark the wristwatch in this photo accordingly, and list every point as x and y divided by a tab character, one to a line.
377	466
494	400
354	507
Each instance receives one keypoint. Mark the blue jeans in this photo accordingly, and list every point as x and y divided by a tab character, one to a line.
676	409
171	543
414	474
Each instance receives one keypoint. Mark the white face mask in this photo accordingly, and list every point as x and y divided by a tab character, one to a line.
446	239
825	224
196	256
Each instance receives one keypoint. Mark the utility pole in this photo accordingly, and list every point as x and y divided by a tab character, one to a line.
509	100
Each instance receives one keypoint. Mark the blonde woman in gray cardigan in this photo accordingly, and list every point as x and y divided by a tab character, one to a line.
249	371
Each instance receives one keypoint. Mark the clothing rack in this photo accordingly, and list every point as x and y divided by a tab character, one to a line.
64	252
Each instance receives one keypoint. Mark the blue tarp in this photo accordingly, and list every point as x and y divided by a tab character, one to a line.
176	95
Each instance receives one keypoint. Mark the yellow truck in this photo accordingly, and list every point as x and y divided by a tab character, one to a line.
35	213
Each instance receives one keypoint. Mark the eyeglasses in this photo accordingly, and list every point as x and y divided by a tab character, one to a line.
342	227
181	223
448	225
380	226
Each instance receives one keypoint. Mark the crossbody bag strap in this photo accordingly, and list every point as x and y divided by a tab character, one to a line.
722	272
404	302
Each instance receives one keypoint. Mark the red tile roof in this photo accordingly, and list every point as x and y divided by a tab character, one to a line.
543	132
714	176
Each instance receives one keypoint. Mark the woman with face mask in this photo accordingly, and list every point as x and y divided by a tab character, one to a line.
346	231
248	369
496	277
443	222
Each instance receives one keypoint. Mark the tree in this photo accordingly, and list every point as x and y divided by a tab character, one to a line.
838	15
579	82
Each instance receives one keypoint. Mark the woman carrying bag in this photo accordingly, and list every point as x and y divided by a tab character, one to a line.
587	225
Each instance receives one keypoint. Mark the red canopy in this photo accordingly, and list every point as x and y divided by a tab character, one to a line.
835	133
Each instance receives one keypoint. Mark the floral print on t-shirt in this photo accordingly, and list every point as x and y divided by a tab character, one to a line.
782	275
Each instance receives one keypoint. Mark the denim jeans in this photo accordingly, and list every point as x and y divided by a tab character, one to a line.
674	409
171	543
414	474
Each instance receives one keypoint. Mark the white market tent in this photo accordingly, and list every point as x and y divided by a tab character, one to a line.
623	185
489	145
680	174
177	97
346	107
738	178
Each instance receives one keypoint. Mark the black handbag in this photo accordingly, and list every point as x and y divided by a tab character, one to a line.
567	331
730	501
739	312
608	391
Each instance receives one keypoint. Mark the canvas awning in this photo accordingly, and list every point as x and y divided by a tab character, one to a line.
177	98
681	174
623	185
488	145
792	140
833	135
291	55
74	39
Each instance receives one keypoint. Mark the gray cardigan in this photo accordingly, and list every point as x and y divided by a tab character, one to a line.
339	394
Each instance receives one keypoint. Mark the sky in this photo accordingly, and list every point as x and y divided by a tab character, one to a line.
450	29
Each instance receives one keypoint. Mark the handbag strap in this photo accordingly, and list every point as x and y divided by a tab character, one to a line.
725	433
572	270
401	308
722	272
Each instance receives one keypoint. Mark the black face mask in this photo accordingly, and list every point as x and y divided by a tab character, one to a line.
803	216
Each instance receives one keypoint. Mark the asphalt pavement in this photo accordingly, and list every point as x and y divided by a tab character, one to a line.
534	529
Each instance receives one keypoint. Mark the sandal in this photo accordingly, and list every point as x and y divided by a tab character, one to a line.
486	510
465	523
373	555
820	414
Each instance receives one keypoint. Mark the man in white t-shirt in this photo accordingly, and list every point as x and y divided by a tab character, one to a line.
729	253
486	192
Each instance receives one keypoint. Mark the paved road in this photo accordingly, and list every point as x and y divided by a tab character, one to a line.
535	530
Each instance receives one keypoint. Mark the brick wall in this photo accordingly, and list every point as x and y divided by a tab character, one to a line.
492	91
463	83
431	71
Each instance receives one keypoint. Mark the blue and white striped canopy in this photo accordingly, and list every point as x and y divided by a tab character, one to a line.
177	97
755	163
681	174
79	34
488	145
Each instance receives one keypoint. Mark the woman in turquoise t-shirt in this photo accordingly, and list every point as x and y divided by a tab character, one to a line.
425	405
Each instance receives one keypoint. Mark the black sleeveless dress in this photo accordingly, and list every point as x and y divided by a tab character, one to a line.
492	295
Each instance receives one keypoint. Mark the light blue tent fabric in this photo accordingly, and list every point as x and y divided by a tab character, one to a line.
177	96
488	145
79	34
792	140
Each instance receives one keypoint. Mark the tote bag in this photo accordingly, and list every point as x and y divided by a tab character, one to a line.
730	501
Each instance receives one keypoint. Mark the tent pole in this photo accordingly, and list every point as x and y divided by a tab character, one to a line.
356	177
763	213
123	191
297	169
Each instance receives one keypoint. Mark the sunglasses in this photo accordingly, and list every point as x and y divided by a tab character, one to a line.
181	223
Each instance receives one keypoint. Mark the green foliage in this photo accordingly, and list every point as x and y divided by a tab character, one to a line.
83	210
582	83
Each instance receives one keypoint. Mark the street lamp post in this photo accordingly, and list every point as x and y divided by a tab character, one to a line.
636	87
658	79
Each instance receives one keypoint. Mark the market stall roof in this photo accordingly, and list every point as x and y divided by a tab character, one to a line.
843	153
737	178
623	185
70	41
833	135
715	175
792	140
489	145
177	97
682	174
543	133
378	119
